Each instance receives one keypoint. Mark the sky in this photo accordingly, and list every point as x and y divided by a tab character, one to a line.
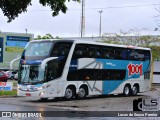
117	15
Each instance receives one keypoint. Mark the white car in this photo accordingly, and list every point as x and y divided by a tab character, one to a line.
9	75
16	76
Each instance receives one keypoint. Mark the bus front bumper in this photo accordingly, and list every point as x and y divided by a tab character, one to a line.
39	93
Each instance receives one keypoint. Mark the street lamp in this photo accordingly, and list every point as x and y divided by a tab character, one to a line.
26	30
100	23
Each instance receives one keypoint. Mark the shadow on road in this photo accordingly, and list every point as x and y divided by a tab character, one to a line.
77	99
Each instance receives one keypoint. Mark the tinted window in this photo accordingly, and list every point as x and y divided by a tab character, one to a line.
61	49
94	51
81	51
55	67
97	74
138	55
114	53
87	51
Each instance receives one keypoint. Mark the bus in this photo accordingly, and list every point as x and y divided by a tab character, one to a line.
76	68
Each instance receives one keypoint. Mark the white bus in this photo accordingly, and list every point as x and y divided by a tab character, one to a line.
74	68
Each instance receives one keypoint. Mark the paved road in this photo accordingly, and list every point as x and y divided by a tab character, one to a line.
24	110
98	103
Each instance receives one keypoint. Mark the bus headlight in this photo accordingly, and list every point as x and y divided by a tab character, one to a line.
41	93
18	87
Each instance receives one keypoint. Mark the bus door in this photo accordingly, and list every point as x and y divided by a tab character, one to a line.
51	77
54	75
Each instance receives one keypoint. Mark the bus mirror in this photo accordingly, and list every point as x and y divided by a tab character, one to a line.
14	60
43	64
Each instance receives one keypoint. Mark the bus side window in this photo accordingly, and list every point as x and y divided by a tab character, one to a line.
97	54
61	49
147	55
132	54
52	71
106	54
77	54
94	51
80	51
118	53
91	54
124	54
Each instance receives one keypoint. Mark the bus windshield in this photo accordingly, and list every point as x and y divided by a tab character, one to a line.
31	71
38	49
31	74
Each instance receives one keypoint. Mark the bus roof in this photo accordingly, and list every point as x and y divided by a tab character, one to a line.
92	43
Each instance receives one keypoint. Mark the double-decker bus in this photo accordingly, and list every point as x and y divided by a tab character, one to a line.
75	68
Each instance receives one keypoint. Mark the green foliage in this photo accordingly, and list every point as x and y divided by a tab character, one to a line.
12	8
47	36
155	52
136	40
8	93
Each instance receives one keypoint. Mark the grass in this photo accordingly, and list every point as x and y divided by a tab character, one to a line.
8	93
15	83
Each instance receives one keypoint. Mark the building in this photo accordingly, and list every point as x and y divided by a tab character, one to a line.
11	46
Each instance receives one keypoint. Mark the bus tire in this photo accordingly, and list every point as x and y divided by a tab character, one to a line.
134	90
69	93
82	93
43	99
127	90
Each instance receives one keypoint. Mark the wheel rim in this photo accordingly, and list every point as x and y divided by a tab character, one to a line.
82	93
134	90
68	93
126	90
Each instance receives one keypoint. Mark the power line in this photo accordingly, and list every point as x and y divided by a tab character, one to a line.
112	7
125	6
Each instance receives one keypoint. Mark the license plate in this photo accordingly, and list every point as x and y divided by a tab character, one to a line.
28	94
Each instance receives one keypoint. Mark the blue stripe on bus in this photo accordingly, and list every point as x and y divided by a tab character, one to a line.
31	62
73	65
37	62
110	85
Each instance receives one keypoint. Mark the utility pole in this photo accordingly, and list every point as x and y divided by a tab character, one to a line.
83	19
26	31
100	24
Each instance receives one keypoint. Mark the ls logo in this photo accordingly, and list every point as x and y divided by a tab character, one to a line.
134	69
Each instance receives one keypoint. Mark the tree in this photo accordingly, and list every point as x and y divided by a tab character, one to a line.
133	37
47	36
157	18
12	8
155	52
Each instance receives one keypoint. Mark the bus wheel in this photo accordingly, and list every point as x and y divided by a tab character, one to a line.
44	99
69	93
82	93
127	90
134	90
